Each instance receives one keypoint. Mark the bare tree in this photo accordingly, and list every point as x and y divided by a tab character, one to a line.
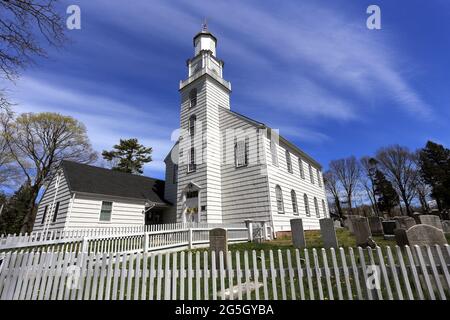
38	143
367	177
332	186
9	172
347	172
399	166
26	28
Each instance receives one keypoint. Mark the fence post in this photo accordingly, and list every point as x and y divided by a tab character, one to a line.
249	225
85	245
190	238
145	244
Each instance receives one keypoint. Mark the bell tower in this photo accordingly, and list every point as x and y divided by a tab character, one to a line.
200	152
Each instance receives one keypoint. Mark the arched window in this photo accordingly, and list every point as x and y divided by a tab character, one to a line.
305	199
300	167
279	196
192	122
288	161
324	209
193	98
294	202
316	207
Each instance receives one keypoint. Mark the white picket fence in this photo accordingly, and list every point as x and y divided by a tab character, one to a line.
125	239
415	273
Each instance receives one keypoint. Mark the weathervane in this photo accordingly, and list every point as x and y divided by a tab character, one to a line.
205	25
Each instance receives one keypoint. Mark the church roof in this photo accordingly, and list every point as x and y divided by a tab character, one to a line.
282	139
95	180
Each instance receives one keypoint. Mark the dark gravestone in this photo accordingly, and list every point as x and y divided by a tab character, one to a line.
218	241
400	237
416	217
376	228
328	233
298	235
404	222
388	229
431	220
361	230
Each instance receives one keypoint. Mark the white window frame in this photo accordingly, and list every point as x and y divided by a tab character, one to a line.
294	202
193	98
300	168
191	166
241	152
274	153
110	214
289	161
324	207
307	208
311	173
192	123
279	199
316	207
319	180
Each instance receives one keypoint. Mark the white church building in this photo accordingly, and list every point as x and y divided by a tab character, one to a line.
224	168
227	168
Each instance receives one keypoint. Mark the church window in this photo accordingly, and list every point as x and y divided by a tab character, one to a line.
319	180
279	197
316	207
311	174
192	123
191	161
324	208
241	152
288	161
305	199
273	151
193	98
300	167
294	202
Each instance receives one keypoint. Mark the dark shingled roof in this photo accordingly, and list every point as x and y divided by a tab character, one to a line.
90	179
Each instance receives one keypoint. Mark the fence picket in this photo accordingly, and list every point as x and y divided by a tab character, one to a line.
273	274
300	275
384	273
412	265
393	267
437	279
425	274
336	274
356	274
255	274
327	274
239	275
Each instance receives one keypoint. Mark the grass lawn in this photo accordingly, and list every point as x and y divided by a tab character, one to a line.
313	240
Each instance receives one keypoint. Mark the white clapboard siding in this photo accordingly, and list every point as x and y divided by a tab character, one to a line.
244	189
51	196
279	175
268	275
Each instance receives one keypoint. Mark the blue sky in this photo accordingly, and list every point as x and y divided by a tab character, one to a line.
310	68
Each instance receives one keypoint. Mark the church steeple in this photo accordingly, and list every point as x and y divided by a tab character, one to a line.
205	40
205	60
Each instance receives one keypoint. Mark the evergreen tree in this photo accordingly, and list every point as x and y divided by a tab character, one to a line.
386	196
15	210
128	156
434	162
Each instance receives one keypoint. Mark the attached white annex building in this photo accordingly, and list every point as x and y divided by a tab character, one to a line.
225	168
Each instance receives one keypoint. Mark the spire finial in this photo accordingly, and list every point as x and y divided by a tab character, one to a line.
205	25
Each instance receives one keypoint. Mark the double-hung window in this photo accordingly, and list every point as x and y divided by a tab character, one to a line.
106	211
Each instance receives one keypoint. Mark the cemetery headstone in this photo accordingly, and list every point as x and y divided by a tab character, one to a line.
376	228
337	224
362	232
328	233
400	237
446	226
404	222
425	235
298	234
388	229
218	241
416	216
431	220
